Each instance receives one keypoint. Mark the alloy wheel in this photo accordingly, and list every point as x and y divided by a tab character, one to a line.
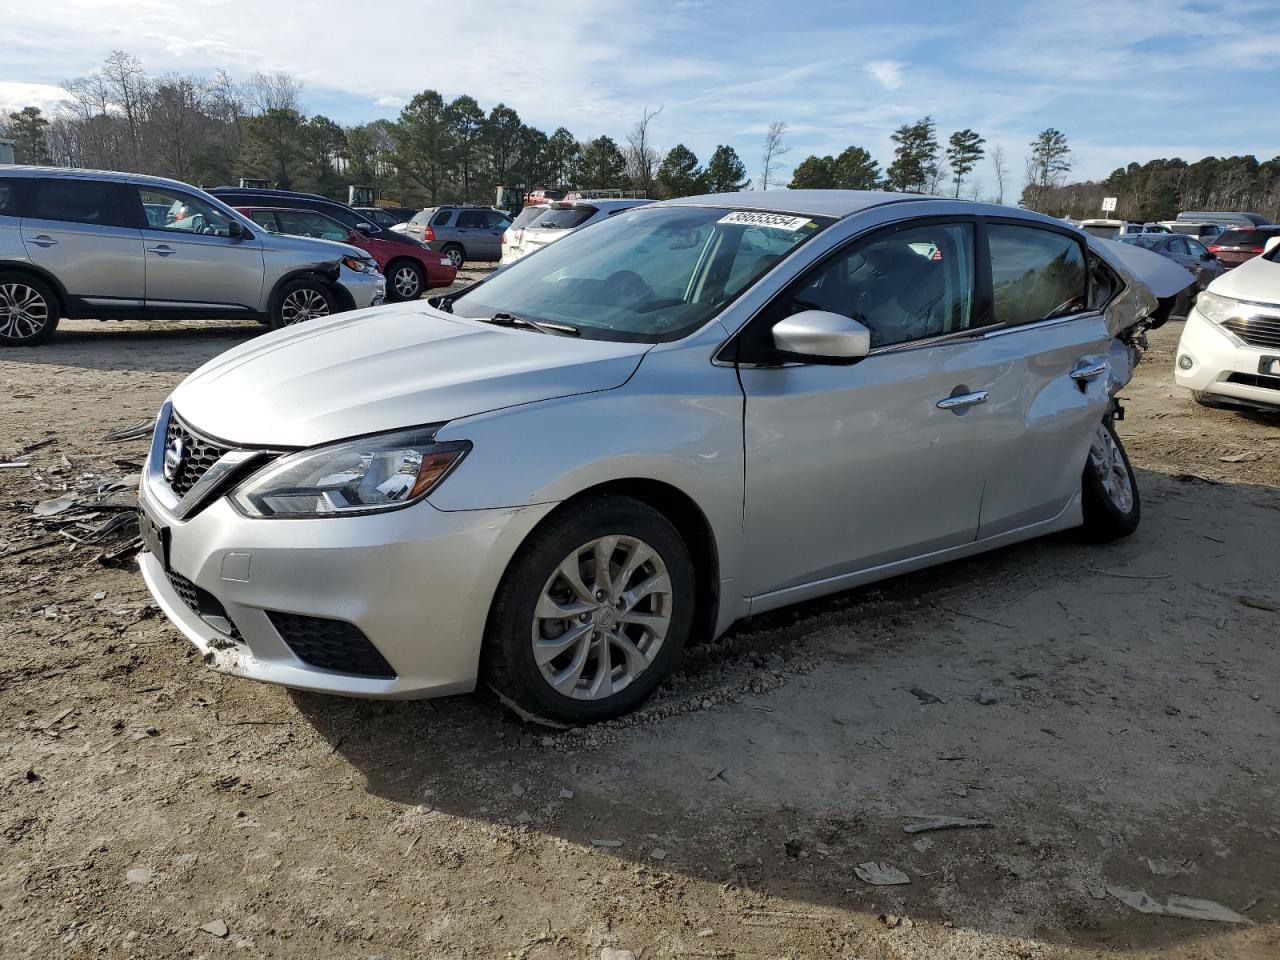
301	305
1108	462
23	311
602	617
406	283
455	257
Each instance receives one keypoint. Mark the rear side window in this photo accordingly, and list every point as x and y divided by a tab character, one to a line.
1104	283
526	217
82	201
1035	274
442	218
473	220
497	221
9	192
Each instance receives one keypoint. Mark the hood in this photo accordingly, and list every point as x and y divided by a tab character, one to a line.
1149	277
385	368
1256	279
321	250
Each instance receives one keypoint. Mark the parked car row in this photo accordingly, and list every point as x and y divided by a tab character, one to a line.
538	225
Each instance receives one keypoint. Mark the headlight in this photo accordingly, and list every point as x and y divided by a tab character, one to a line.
360	264
367	475
1216	308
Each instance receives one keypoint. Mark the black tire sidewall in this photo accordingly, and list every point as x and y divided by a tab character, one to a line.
277	306
50	298
393	294
1103	520
509	663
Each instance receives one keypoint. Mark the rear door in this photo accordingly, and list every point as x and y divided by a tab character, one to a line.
193	262
851	467
477	237
85	232
1058	343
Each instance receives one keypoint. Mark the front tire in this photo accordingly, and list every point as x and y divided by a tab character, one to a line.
405	281
301	300
1109	489
28	310
592	613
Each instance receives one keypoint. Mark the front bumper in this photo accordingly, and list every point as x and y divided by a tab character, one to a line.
366	289
417	583
1223	366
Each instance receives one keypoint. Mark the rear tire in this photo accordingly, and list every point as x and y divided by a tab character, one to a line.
456	255
1109	489
405	281
621	634
28	310
301	300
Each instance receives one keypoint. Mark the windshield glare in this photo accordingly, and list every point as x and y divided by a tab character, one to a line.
648	275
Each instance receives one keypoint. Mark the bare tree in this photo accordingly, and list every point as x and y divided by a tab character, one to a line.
642	157
773	149
125	82
1001	169
274	91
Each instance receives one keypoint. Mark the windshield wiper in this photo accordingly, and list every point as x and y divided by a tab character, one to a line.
542	326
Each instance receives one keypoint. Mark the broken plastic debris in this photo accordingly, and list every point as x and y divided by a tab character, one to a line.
945	823
1192	908
880	874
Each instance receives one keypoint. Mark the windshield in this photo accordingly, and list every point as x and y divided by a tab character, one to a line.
527	216
1101	230
562	218
647	275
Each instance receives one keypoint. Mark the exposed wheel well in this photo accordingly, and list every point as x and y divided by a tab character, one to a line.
64	302
688	519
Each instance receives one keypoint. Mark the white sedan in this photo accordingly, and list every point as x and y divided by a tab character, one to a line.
1230	347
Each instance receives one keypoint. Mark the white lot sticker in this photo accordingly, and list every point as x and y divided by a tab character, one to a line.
779	221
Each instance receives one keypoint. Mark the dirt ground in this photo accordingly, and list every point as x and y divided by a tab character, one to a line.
1112	711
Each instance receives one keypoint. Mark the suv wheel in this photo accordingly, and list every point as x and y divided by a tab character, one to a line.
405	281
592	613
299	301
457	256
28	310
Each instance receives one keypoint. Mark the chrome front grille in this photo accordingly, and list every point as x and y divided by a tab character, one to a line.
1257	331
198	455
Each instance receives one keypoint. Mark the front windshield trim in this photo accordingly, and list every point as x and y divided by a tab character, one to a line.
630	279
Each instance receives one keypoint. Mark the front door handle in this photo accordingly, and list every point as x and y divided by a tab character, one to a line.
164	250
44	240
1089	371
961	402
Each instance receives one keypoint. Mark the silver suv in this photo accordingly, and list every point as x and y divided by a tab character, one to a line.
460	233
80	243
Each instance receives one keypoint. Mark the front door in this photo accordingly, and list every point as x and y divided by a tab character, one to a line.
856	466
193	262
84	232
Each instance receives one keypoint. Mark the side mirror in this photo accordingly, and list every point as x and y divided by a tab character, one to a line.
366	228
1206	256
1271	244
236	230
818	336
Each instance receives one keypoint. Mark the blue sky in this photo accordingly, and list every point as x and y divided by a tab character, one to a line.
1124	80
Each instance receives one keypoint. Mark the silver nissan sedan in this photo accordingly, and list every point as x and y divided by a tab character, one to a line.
687	414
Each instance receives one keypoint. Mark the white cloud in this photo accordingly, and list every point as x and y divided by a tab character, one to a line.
14	95
887	73
390	100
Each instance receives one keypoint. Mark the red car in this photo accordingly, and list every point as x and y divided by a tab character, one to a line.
1233	247
409	270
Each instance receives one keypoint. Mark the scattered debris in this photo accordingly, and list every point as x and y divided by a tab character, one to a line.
1260	603
523	818
135	431
14	464
987	697
706	932
1192	908
946	823
657	853
606	843
715	773
613	953
922	845
216	927
517	789
1194	478
924	696
880	874
138	875
1168	868
1238	458
1053	733
51	508
566	794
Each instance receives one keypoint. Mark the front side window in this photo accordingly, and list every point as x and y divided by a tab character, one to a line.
265	219
1035	274
82	201
9	192
914	283
304	223
650	275
183	213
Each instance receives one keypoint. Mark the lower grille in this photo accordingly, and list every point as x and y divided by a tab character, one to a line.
204	605
331	645
1255	380
1256	331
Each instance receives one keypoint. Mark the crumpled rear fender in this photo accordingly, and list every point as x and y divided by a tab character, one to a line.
1150	280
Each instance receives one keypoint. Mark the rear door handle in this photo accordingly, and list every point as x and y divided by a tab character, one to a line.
44	240
164	250
1089	371
963	401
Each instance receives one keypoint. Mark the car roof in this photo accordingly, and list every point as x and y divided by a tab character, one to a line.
259	206
814	203
272	192
23	170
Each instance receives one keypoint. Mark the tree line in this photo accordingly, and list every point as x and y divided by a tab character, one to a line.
215	130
